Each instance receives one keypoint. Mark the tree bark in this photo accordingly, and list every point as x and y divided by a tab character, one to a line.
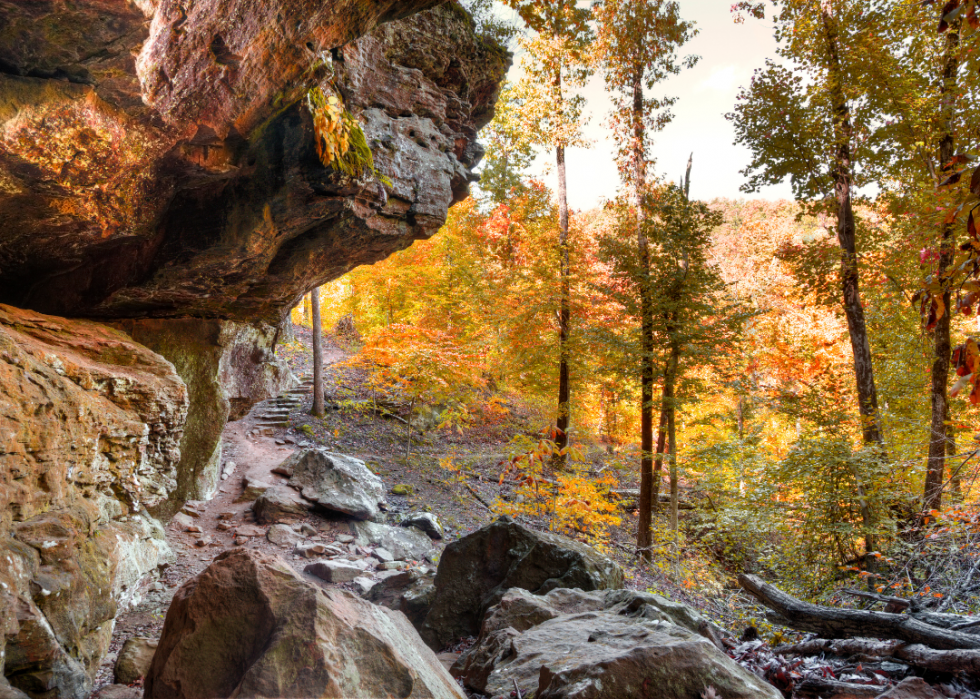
938	427
317	354
286	332
849	623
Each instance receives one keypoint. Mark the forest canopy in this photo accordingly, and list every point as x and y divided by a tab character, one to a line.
802	373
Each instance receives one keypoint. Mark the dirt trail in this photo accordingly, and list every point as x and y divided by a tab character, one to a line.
254	454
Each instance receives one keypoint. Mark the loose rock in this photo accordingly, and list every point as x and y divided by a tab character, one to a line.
333	571
279	504
134	659
625	644
410	592
283	535
427	522
336	482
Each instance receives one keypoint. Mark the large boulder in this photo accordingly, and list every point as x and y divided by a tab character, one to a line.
158	157
336	482
248	626
90	424
228	367
475	572
601	645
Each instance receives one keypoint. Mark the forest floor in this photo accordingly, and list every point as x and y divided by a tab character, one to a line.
455	474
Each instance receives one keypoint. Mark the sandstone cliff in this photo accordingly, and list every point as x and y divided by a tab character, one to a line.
158	171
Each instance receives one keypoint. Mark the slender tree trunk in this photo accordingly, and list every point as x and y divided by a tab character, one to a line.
308	310
658	464
649	492
938	428
861	348
286	332
317	354
564	311
846	232
669	402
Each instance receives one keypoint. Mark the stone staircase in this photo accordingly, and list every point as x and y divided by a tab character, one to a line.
273	414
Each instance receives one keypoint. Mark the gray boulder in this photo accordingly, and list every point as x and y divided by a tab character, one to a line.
626	645
426	522
404	543
279	504
410	592
475	572
248	626
336	482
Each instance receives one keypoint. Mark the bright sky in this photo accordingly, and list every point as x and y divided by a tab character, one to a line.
729	53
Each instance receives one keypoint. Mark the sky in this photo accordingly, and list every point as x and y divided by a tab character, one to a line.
729	53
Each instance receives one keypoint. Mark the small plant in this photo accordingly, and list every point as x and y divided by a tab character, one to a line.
574	504
340	140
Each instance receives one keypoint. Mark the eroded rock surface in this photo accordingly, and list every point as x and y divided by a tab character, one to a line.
613	644
90	424
267	632
157	158
475	572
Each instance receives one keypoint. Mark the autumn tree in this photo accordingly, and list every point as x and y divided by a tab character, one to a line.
509	152
810	124
556	62
638	42
927	91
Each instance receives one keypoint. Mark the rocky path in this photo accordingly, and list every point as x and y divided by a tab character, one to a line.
253	447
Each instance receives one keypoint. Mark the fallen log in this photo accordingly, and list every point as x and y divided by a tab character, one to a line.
865	650
850	623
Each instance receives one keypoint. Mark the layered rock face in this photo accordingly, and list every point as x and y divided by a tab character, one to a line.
228	367
90	424
157	158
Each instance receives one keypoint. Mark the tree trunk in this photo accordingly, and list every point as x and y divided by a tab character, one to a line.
861	348
287	334
648	499
938	427
857	329
669	393
317	354
658	464
564	312
308	310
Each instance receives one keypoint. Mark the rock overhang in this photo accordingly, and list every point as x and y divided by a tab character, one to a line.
159	160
